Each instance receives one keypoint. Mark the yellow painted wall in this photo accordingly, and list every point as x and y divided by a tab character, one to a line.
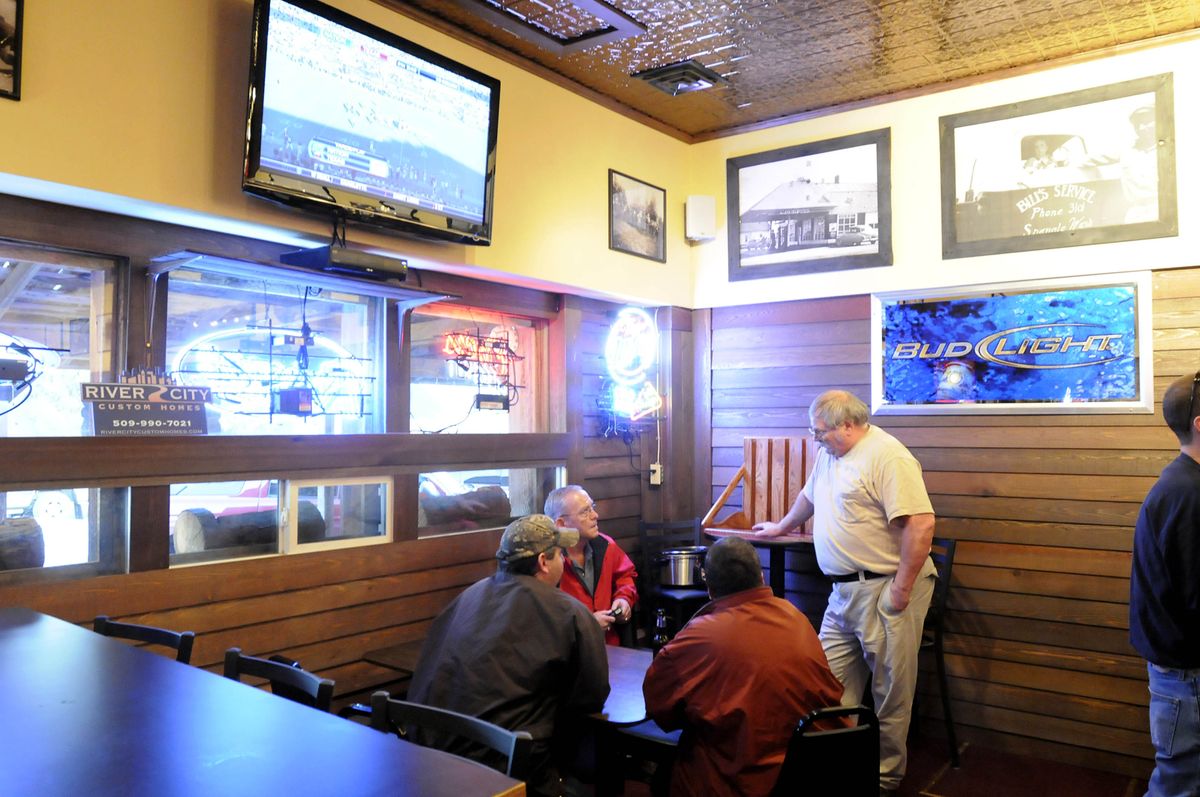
916	191
138	106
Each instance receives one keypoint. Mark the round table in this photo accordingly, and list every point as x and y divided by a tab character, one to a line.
777	546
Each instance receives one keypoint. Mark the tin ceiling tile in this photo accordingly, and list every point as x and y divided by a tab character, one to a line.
781	58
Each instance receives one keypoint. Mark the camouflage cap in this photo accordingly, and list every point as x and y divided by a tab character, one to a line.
532	535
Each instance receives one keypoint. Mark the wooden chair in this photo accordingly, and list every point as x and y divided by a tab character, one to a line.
942	553
179	641
679	603
842	761
287	678
399	716
773	471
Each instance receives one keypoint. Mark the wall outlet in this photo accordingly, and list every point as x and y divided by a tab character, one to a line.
656	474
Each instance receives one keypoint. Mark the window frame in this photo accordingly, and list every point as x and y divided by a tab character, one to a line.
146	466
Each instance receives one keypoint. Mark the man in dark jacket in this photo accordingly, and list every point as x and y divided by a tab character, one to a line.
1164	601
514	650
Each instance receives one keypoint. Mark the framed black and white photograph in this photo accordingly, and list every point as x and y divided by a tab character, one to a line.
1088	167
10	48
821	206
637	223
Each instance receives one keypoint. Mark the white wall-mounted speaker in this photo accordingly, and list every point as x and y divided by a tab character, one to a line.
700	218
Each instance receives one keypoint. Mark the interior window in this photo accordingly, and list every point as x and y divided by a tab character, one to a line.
476	371
64	527
223	520
469	500
217	521
280	356
56	322
55	334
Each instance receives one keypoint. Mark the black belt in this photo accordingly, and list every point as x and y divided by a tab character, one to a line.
861	575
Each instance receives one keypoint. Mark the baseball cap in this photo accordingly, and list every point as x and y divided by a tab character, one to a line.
532	535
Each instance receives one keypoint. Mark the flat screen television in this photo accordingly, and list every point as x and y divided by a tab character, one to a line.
354	122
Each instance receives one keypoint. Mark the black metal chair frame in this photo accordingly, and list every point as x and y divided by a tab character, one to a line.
646	741
179	641
942	554
842	761
393	716
287	679
670	534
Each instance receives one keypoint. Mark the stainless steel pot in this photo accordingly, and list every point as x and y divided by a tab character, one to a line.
680	567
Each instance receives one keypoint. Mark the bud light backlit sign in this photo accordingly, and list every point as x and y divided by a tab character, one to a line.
1047	346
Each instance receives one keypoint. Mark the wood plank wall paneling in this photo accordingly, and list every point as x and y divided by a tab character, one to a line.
1043	508
611	468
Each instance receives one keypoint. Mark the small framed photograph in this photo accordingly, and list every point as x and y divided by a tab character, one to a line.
637	222
1088	167
1077	345
10	48
821	206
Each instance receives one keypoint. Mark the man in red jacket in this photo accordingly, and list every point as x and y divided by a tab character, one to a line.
737	679
598	572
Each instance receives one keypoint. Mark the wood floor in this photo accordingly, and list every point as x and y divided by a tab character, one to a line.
990	773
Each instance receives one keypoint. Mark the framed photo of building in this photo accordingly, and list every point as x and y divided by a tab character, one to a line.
1089	167
1079	345
637	222
10	48
821	206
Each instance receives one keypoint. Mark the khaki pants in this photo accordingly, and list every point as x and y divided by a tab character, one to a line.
864	639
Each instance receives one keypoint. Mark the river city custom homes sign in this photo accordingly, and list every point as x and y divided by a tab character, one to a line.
146	409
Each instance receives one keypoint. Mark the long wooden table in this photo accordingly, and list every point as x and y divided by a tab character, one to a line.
84	714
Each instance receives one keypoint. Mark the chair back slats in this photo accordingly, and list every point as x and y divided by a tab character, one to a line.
397	716
179	641
772	473
287	680
821	759
657	536
776	469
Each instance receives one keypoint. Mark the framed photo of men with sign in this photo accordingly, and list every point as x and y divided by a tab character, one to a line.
1089	167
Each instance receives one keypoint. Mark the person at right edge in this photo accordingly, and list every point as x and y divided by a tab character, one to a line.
1164	600
872	529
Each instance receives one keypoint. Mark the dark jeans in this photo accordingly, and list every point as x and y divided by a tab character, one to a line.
1175	731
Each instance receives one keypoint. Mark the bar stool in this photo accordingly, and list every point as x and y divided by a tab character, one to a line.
679	603
942	553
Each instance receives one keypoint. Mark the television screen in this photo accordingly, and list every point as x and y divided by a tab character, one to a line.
1049	346
351	120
